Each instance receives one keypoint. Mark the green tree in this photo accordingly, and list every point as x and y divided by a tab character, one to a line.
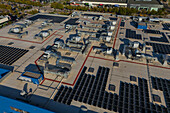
56	5
33	12
153	12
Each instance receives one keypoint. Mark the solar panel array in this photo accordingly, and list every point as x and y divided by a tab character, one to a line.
95	15
132	34
122	24
160	39
152	31
72	21
166	26
8	55
168	36
55	19
90	90
10	43
162	85
113	18
135	99
159	48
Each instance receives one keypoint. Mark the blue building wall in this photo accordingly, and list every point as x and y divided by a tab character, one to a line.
3	72
8	105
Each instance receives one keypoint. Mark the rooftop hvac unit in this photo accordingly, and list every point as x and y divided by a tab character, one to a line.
45	34
108	38
135	44
139	19
109	51
109	33
111	27
28	22
76	38
58	44
113	22
16	30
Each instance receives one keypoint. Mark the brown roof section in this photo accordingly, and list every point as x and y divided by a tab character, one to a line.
31	74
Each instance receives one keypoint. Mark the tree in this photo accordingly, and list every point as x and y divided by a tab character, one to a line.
105	9
121	11
143	11
153	12
29	2
56	5
33	12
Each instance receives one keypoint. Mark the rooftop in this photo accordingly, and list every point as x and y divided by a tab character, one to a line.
31	74
155	2
109	1
152	2
91	73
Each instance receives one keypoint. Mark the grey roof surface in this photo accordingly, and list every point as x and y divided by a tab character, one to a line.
110	1
127	1
144	2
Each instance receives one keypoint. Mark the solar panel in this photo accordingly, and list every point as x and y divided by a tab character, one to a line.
55	19
132	97
122	24
169	36
31	47
10	43
152	31
160	39
9	55
160	48
132	34
96	15
166	26
113	18
72	21
163	85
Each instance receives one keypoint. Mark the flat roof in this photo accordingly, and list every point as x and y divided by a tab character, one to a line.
144	2
72	21
142	23
113	18
31	74
108	1
80	84
126	1
86	14
54	18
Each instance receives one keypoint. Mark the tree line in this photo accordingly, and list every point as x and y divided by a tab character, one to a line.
114	10
28	2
